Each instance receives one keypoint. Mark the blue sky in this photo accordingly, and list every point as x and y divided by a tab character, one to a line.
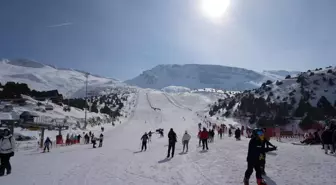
121	38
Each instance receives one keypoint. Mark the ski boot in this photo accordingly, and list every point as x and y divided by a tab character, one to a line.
246	181
261	182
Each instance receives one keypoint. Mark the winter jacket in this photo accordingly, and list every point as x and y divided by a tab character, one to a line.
172	137
334	137
186	137
256	149
7	144
204	135
144	138
47	142
237	133
327	137
101	137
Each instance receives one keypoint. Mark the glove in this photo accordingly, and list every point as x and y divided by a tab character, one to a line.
261	157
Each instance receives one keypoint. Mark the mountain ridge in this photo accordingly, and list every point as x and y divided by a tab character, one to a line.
197	76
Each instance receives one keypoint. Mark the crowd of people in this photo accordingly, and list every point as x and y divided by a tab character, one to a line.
325	137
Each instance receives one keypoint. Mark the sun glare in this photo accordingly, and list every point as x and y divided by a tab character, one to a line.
214	9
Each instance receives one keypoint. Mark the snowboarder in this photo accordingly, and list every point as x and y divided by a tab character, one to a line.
7	146
185	141
101	138
144	139
256	150
204	137
172	139
237	134
47	144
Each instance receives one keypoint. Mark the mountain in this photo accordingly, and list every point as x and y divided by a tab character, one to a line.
279	74
196	76
45	77
308	97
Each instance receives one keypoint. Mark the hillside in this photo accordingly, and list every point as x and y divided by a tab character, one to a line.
196	76
309	97
106	107
44	77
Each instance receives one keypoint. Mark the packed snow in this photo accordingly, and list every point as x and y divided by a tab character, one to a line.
120	162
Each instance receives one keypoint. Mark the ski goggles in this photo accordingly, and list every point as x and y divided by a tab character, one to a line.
260	133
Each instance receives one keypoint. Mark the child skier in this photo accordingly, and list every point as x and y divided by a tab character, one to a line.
255	154
47	144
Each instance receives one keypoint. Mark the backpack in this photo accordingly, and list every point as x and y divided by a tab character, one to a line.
10	139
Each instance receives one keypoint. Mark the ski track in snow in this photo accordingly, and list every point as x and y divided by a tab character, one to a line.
119	161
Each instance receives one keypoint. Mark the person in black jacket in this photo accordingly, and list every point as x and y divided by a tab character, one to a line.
255	154
327	140
144	139
172	139
237	134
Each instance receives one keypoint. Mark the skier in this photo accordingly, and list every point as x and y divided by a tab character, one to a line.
47	144
200	126
237	134
255	153
93	141
150	136
220	132
230	132
144	139
86	139
7	146
199	137
185	141
327	140
204	137
101	138
79	138
172	139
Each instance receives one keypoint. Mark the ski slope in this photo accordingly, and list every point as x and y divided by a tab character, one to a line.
119	161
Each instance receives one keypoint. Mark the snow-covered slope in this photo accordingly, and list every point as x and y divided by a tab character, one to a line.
196	76
310	96
120	161
44	77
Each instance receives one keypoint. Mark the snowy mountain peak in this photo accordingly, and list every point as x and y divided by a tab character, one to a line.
197	76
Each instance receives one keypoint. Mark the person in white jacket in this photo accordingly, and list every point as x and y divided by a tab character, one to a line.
185	140
7	147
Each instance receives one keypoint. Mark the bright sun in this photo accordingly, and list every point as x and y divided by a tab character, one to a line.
214	8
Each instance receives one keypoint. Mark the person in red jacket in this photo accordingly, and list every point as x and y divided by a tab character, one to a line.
204	137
